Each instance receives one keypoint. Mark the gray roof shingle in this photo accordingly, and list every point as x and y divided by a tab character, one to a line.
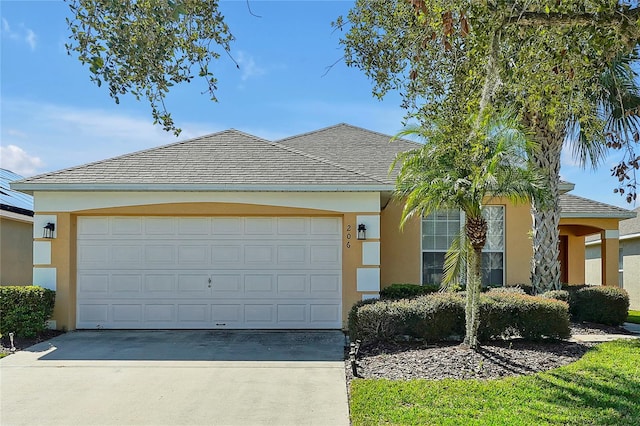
353	147
229	158
573	206
631	226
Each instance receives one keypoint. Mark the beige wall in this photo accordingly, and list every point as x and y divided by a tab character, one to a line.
630	268
631	271
401	248
64	245
16	252
400	256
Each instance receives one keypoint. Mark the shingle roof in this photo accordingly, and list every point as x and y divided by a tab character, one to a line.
353	147
11	200
573	206
229	158
631	226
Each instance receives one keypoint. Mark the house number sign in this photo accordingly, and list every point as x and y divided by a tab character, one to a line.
348	244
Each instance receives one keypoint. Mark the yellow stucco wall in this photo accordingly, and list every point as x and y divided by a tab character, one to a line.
400	257
401	249
16	252
64	245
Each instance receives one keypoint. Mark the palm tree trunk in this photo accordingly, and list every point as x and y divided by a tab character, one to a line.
476	231
545	264
472	308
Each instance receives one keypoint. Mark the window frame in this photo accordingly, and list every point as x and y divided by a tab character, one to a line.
484	250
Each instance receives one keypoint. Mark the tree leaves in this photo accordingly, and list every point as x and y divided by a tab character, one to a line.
144	47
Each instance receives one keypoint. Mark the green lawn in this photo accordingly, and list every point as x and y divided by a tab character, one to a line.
634	317
603	388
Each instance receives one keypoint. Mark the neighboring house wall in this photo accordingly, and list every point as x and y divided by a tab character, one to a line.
630	249
631	270
16	265
62	269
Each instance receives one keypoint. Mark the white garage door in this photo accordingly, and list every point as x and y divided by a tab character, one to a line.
211	272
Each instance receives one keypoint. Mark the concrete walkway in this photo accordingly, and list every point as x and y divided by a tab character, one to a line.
177	378
599	338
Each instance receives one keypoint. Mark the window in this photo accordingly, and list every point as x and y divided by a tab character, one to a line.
440	228
620	268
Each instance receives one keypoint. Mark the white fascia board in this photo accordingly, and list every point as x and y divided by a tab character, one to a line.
359	202
30	188
617	215
16	216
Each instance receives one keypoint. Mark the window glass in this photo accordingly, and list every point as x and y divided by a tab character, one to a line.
440	228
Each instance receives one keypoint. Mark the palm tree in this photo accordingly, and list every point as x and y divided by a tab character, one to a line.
618	102
456	171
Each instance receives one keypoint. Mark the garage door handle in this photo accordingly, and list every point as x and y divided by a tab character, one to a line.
209	282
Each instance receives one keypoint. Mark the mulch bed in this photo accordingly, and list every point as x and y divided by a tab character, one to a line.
495	360
23	343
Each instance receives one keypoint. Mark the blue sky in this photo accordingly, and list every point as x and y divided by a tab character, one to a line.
53	117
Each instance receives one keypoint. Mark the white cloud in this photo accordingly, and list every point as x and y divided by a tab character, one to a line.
248	66
14	158
25	35
31	39
66	136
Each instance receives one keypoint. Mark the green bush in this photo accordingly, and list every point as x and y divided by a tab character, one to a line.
533	318
599	304
526	287
25	310
407	291
508	290
440	316
562	295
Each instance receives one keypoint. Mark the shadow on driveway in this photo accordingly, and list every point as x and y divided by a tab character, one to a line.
194	345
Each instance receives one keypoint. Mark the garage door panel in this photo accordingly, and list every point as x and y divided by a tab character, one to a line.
259	226
226	226
258	272
128	226
127	313
160	254
124	285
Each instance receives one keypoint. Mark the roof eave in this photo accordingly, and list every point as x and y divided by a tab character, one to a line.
30	188
580	215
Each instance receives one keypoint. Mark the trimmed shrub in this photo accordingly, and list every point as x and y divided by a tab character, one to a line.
526	287
440	316
25	310
432	317
562	295
508	290
599	304
531	317
407	291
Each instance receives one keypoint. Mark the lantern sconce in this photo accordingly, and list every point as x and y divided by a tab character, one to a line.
362	232
48	230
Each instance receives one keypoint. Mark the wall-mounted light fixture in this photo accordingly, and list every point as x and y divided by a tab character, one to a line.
362	232
48	230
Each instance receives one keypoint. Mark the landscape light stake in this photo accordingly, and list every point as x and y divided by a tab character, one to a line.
353	353
13	348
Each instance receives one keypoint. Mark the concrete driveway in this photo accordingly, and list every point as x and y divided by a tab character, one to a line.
177	378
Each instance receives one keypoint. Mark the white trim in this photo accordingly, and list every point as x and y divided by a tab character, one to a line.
16	216
371	296
616	215
327	201
40	221
610	234
42	252
372	222
30	188
621	238
371	253
45	277
368	279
